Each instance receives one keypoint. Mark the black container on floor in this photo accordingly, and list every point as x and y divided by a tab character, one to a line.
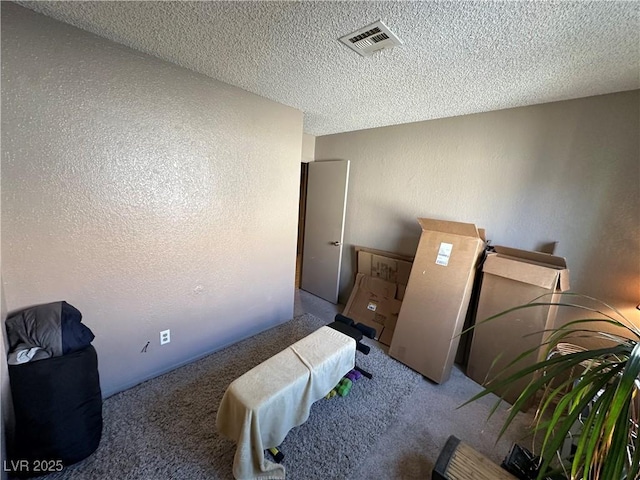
525	465
58	412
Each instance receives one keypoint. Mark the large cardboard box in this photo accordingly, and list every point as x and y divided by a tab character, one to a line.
435	303
513	277
380	285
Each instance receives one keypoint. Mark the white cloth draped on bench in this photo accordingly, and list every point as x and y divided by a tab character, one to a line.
259	408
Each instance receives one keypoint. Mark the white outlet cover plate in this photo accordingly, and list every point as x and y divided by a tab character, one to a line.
165	337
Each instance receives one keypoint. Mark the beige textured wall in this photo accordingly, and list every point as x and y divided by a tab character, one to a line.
6	403
146	195
566	172
308	148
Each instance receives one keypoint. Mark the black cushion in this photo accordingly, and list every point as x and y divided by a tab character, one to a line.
353	332
347	330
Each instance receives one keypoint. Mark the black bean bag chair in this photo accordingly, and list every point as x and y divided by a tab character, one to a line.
58	411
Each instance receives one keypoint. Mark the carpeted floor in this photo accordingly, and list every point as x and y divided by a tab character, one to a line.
165	427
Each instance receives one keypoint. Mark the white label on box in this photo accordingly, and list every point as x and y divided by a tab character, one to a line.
372	306
444	253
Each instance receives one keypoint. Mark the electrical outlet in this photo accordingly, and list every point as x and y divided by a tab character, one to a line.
165	336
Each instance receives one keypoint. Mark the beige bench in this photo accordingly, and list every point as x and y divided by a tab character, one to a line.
259	408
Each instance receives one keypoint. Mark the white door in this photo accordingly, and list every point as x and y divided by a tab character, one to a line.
324	228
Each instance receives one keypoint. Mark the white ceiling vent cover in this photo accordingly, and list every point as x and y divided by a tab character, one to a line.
370	39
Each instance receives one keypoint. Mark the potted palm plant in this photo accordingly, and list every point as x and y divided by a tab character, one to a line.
588	394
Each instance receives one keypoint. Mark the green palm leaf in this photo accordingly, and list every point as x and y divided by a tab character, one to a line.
594	390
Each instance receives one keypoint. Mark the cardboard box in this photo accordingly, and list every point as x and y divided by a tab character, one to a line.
464	346
385	265
513	277
381	278
437	296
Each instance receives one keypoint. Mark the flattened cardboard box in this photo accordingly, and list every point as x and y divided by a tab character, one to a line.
437	296
388	266
513	277
377	294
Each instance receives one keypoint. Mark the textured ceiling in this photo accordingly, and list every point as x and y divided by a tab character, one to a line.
459	57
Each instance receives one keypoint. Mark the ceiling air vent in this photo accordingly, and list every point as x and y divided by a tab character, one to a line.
370	39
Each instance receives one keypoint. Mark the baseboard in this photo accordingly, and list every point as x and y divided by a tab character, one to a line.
134	383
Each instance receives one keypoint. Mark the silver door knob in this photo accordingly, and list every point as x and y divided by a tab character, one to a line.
336	243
